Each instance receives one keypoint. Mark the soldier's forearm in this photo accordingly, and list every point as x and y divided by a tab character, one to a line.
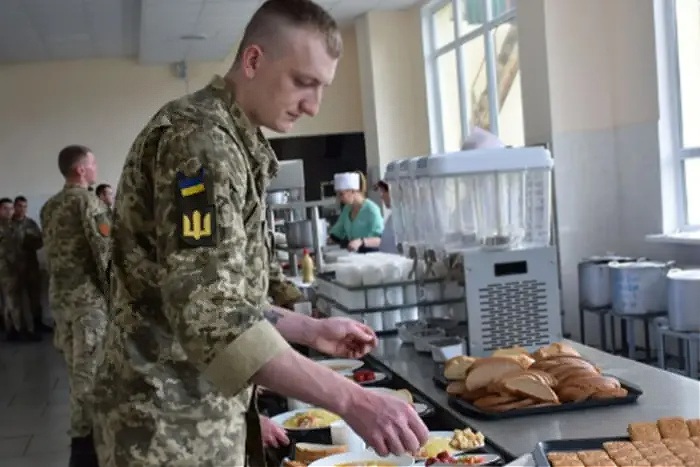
294	327
294	375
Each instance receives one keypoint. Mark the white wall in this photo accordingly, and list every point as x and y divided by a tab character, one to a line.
393	86
104	104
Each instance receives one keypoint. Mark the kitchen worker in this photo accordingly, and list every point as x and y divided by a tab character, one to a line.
76	239
191	330
387	243
360	225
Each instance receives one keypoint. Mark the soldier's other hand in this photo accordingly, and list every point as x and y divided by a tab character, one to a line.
387	423
343	337
273	435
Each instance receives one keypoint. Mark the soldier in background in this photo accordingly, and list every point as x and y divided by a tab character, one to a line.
76	237
190	327
104	192
30	281
18	325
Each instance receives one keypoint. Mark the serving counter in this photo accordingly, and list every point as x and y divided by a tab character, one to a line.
665	394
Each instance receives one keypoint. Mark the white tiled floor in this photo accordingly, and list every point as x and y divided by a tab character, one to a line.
34	414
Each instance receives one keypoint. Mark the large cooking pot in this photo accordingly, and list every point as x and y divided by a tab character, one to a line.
594	280
684	300
639	287
300	234
277	197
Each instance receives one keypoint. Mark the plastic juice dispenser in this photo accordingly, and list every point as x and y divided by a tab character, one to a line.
408	212
496	198
391	176
429	239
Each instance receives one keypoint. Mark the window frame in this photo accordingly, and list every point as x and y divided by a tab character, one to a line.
680	153
431	54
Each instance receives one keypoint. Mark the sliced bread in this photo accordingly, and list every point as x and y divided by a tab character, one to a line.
490	370
456	368
306	453
531	387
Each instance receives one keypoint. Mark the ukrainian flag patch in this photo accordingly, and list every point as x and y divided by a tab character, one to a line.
190	186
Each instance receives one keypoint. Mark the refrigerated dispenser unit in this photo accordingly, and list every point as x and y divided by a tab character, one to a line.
492	209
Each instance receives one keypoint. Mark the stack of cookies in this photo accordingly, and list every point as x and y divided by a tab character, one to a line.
670	442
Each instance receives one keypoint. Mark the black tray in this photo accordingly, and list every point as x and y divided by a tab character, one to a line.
465	408
567	445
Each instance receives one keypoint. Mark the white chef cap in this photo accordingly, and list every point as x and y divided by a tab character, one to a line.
481	139
346	181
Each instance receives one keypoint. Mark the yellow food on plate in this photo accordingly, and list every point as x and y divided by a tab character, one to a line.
463	440
435	446
314	418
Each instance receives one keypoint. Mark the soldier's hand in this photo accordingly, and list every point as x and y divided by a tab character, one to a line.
273	435
387	423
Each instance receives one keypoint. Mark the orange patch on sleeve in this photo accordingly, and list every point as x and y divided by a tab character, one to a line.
104	229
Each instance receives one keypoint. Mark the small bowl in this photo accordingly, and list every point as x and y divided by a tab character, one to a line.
424	339
407	329
444	349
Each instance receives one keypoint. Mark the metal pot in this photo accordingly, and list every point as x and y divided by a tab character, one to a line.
594	280
639	287
684	300
277	197
300	234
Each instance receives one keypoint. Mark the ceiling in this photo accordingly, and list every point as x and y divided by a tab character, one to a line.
149	30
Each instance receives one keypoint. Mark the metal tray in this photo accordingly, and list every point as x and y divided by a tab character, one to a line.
567	445
465	408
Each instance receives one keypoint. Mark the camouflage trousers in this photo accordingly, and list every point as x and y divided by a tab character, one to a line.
82	351
15	314
131	437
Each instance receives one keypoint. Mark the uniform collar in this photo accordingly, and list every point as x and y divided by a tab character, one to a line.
259	146
68	185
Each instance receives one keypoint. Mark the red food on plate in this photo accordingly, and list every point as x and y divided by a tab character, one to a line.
363	376
445	458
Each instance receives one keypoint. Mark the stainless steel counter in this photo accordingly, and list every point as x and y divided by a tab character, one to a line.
665	394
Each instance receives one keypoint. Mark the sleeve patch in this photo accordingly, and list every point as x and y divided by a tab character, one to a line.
103	223
197	215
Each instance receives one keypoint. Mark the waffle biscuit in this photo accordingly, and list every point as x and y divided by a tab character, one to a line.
693	426
618	446
562	456
644	431
673	427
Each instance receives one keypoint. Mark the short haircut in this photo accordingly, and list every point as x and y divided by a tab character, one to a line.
381	185
5	201
101	188
20	199
301	14
69	157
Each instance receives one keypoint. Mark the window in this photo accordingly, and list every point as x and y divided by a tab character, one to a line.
684	28
473	71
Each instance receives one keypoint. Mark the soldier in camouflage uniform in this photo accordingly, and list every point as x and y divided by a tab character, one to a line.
30	280
10	262
191	327
76	236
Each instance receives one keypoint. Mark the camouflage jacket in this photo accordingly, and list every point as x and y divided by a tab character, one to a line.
32	241
76	239
191	270
10	249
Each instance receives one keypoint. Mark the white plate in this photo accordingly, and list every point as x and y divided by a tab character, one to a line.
283	417
342	365
488	459
367	456
420	407
448	435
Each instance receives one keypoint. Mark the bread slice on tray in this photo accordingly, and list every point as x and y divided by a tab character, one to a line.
489	370
531	387
456	367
